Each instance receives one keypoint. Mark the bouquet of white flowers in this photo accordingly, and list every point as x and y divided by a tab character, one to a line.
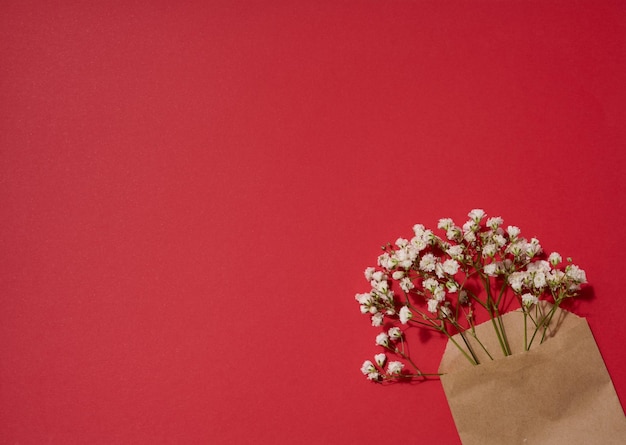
460	286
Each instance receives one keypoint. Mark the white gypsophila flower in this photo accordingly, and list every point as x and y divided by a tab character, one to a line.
405	314
418	229
367	367
476	215
490	269
576	274
539	280
513	232
450	267
376	286
380	359
418	243
382	339
377	319
529	299
364	309
395	367
452	286
489	250
455	252
494	222
395	333
470	237
533	247
454	233
538	266
386	261
555	278
445	223
368	273
403	258
427	263
429	237
401	242
378	275
406	284
430	284
555	258
439	294
373	309
516	281
470	226
439	270
398	275
433	304
364	298
499	240
517	249
373	376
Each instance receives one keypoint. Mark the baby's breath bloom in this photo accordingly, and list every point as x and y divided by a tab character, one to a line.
382	339
439	294
490	269
539	280
418	229
445	223
386	262
405	314
454	233
576	274
369	370
401	242
450	267
455	252
489	250
513	232
494	222
533	247
555	278
433	304
430	284
452	286
499	240
395	333
555	258
377	319
367	366
395	367
398	275
427	263
529	299
476	215
368	273
380	359
516	280
470	237
406	284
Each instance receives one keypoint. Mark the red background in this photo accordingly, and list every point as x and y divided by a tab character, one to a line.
190	194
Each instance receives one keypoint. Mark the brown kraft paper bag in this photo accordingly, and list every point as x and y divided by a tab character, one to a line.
559	392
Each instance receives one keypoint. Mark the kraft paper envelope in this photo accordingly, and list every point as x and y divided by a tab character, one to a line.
559	392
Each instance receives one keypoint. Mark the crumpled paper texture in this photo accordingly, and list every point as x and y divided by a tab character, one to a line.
559	392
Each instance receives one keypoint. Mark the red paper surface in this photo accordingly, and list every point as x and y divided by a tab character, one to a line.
191	192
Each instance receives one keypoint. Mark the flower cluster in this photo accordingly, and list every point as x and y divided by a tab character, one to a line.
435	282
